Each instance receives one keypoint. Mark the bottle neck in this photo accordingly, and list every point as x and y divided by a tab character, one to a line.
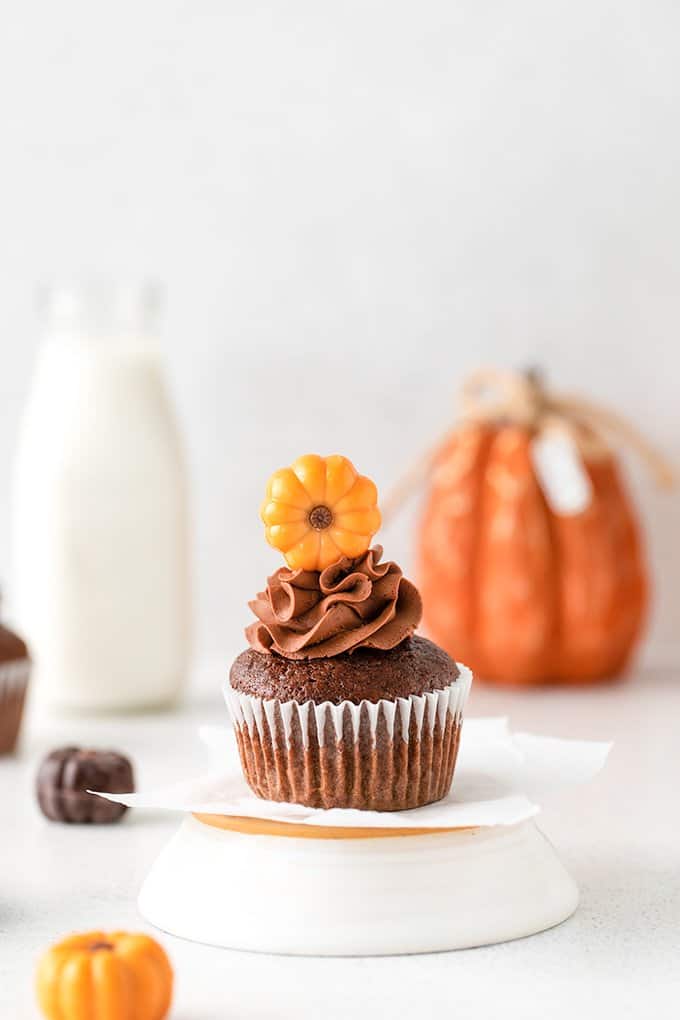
101	316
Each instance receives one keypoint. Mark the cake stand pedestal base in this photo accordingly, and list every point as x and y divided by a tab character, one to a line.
370	896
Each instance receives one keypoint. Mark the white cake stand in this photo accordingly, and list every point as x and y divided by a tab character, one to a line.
452	889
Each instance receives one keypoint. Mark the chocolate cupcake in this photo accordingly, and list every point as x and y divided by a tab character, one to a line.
336	703
15	668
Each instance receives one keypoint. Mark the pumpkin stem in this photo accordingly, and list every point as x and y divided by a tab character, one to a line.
96	946
320	518
534	376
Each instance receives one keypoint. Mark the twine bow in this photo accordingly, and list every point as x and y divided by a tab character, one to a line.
494	396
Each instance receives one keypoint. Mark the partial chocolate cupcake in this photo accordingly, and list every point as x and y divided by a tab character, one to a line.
15	669
336	703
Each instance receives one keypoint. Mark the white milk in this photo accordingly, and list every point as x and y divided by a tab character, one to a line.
100	517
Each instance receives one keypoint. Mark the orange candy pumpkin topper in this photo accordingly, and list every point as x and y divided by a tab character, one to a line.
520	589
318	510
117	976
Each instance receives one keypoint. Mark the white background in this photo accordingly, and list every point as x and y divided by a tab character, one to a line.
351	205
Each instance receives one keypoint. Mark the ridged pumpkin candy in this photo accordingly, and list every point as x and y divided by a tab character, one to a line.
116	976
520	593
318	510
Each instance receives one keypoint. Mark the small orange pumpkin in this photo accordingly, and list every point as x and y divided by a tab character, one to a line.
318	510
117	976
518	592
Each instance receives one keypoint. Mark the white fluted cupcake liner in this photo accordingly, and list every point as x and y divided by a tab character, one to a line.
14	678
386	755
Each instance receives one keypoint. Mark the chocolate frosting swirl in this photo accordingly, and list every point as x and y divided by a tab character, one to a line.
354	603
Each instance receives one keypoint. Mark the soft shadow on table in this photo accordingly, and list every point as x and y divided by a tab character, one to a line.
151	818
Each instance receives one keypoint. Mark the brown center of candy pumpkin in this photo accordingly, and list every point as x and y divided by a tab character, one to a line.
320	518
97	946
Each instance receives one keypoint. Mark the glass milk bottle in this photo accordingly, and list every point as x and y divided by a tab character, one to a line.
100	508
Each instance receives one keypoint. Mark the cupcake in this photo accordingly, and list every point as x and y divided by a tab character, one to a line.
336	702
15	667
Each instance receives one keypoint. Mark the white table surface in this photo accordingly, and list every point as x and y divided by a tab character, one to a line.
619	955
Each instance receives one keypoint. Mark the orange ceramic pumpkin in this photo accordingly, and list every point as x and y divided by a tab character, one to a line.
517	592
115	976
318	510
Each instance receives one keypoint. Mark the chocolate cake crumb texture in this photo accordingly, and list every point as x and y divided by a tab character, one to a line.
416	666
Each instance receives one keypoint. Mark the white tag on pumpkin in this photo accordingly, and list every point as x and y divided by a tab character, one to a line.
560	472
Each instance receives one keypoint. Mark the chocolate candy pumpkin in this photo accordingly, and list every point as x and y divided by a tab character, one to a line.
66	775
517	591
117	976
318	510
